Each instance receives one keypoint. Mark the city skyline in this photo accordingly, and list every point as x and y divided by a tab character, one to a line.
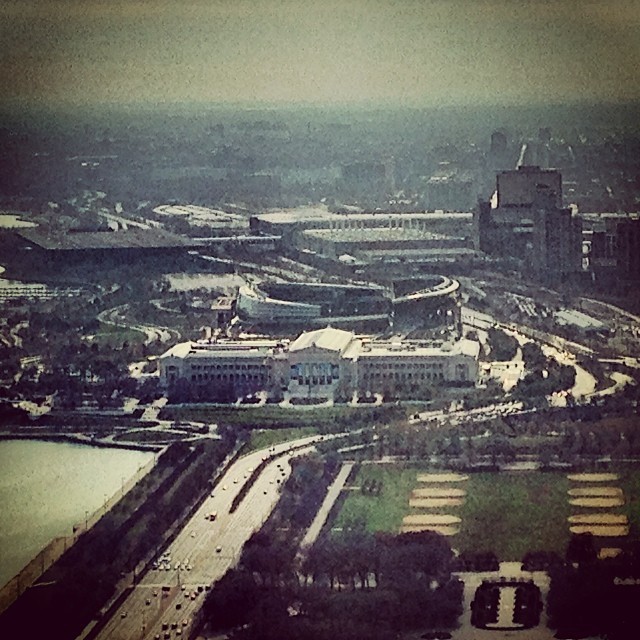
343	53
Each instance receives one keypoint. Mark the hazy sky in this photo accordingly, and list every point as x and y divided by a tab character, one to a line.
319	51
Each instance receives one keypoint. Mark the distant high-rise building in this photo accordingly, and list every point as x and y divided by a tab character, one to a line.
520	187
527	222
613	248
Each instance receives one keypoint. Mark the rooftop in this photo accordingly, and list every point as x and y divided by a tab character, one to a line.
213	348
62	239
328	338
415	349
308	214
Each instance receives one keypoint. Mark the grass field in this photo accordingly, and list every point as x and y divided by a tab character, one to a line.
267	416
260	439
630	483
507	513
110	334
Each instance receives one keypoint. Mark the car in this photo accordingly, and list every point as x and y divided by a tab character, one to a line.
178	606
185	622
194	595
174	625
148	601
123	614
218	549
235	481
155	592
183	587
200	588
189	567
193	534
224	487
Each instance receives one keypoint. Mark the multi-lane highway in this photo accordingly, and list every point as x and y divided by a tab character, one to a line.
165	601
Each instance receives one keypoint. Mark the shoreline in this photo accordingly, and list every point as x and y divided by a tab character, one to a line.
72	438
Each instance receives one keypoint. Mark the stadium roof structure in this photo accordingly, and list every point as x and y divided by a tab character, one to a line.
59	239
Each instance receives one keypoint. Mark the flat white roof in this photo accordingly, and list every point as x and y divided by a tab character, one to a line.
412	350
289	216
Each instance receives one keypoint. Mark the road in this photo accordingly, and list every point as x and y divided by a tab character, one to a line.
207	549
116	317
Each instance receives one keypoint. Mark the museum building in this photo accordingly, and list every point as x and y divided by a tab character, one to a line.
327	363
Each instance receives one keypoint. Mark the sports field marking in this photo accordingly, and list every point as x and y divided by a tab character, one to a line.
601	530
593	477
604	492
438	492
598	503
441	477
445	530
599	518
429	519
430	503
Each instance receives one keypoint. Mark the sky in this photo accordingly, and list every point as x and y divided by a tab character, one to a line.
342	52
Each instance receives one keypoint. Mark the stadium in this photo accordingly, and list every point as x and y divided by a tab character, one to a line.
430	304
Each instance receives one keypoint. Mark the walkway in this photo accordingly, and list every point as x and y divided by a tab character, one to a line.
323	513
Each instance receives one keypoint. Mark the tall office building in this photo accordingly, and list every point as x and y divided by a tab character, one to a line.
527	222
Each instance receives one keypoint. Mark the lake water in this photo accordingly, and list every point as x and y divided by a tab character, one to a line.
47	487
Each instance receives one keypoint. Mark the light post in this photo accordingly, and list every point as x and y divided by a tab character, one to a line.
86	519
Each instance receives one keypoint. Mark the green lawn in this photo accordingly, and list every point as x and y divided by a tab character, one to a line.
630	484
150	436
512	513
383	512
275	416
260	439
507	513
110	334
